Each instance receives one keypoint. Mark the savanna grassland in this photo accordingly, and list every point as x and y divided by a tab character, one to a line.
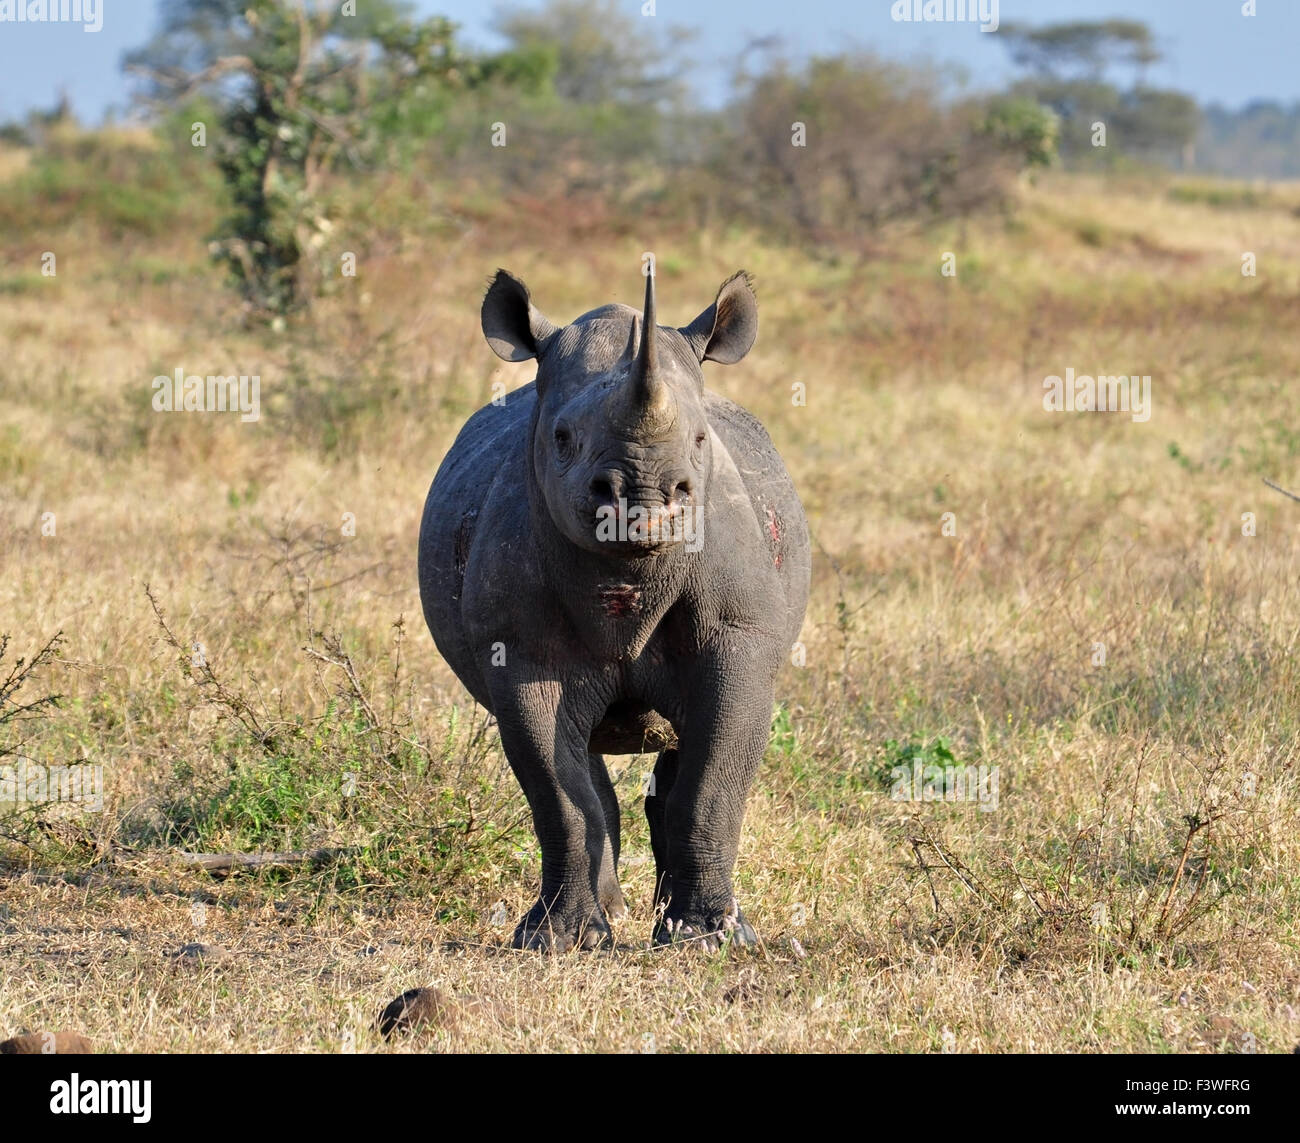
1136	888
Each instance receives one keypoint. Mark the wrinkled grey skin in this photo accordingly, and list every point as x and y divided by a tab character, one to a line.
655	640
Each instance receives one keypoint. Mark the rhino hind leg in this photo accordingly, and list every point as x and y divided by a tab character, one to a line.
656	802
609	893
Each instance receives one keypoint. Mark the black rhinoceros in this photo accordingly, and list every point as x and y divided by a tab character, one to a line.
614	560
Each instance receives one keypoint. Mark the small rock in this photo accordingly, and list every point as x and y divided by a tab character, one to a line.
749	987
797	948
195	954
1220	1030
47	1043
420	1006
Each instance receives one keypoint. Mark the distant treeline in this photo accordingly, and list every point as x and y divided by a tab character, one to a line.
1262	140
290	107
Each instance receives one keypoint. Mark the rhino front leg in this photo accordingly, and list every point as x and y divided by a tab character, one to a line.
546	746
609	894
724	735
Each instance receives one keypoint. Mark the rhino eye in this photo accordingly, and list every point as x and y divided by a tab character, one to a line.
700	438
563	441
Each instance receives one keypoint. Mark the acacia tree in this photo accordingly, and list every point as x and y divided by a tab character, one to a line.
603	52
300	86
839	146
1069	66
1083	49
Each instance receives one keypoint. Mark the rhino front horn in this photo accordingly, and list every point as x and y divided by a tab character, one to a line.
649	401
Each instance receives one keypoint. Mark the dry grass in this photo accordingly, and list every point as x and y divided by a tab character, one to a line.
1136	888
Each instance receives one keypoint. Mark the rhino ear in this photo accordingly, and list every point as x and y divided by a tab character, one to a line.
513	326
725	332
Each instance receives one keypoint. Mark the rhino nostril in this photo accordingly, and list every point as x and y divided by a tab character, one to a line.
682	492
602	490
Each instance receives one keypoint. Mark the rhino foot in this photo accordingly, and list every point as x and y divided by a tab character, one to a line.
559	930
708	933
612	903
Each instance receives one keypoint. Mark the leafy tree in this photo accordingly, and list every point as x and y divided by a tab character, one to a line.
1070	66
834	148
1086	49
603	53
300	86
593	102
1024	127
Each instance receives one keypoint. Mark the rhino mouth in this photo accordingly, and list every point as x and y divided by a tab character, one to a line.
643	528
639	547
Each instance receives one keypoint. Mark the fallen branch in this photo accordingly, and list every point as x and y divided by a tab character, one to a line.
1279	488
233	862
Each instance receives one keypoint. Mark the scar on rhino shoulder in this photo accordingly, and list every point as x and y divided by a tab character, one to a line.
774	530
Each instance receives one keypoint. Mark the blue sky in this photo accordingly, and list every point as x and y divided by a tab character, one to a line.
1213	51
